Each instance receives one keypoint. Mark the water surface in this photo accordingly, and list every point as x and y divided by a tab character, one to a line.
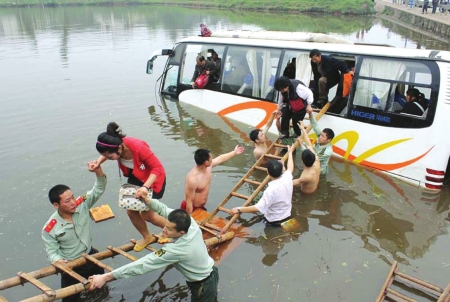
66	72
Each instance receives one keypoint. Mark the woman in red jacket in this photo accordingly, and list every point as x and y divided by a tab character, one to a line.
137	162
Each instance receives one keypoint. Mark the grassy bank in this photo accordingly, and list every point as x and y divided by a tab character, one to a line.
360	7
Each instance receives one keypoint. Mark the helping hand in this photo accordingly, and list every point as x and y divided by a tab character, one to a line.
97	281
238	150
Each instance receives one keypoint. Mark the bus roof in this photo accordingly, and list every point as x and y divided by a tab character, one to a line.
294	40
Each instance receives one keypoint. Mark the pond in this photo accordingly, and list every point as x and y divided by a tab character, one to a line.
66	72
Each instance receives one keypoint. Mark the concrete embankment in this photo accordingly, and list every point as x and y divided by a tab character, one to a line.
437	24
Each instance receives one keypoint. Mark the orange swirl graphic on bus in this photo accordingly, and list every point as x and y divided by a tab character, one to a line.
351	137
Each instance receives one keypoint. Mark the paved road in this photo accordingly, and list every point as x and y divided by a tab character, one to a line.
438	16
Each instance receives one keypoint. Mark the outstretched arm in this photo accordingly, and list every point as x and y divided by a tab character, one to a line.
224	157
290	164
269	122
305	137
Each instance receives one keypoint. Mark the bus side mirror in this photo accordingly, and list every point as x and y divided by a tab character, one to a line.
149	66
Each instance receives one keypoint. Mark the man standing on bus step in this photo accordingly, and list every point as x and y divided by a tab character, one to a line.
322	147
67	234
326	73
198	180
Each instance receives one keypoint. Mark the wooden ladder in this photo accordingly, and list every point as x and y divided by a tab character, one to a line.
422	286
49	294
207	226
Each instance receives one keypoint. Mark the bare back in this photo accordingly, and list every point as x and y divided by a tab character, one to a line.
309	179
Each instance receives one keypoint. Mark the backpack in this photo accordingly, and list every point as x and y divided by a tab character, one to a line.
202	80
204	30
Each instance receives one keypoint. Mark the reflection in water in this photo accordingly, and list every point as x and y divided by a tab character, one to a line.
274	239
71	70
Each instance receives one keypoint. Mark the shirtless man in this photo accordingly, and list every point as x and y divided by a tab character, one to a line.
198	180
258	136
309	179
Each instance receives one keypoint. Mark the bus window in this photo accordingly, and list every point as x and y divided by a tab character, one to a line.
299	63
189	60
170	80
251	71
374	81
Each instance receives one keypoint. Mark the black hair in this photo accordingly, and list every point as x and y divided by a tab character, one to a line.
329	133
181	219
55	192
274	168
201	155
314	53
283	82
308	158
254	134
200	58
110	140
413	92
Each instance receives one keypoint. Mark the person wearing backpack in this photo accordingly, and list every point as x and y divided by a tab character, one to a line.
293	100
203	68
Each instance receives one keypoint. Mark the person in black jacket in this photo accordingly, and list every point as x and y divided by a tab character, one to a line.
327	73
415	103
206	66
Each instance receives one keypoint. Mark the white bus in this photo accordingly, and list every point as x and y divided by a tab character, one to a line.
369	130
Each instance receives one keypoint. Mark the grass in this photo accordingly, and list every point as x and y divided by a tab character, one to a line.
359	7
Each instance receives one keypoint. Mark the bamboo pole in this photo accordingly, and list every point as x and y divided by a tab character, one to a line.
221	238
50	270
60	293
445	294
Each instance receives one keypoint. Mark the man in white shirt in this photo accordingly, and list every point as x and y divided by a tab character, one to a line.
276	202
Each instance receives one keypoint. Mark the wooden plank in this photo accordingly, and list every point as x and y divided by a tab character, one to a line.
420	282
97	262
418	286
120	252
214	227
395	293
445	296
228	211
70	272
261	168
236	194
272	156
394	298
280	145
43	287
101	213
387	282
253	182
204	228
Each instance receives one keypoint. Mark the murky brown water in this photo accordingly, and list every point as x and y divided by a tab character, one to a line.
65	73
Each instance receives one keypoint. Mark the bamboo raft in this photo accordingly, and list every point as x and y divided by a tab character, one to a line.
215	230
